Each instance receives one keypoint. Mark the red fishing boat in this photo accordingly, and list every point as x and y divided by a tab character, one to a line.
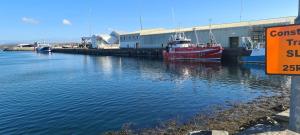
181	48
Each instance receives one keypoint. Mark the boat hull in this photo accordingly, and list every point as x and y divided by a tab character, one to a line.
43	49
253	59
257	56
194	53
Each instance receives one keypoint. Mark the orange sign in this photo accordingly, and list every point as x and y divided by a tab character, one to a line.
283	50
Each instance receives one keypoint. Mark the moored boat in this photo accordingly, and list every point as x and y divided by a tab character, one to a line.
256	52
43	48
181	48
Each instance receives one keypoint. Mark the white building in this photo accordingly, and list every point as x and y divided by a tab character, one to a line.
103	41
229	35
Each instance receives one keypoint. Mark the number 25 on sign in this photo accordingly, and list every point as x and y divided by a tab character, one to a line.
283	50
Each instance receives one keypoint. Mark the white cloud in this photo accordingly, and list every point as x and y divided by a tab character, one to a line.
29	20
66	22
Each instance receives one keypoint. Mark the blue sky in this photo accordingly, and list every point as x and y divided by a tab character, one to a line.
25	20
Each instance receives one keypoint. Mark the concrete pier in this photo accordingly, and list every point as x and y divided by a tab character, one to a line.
19	49
149	53
230	55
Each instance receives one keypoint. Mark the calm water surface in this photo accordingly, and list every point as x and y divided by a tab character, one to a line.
77	94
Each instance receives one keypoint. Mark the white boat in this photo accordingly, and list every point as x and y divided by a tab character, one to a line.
43	48
256	51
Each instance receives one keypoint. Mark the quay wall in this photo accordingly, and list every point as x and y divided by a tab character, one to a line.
230	55
19	49
141	52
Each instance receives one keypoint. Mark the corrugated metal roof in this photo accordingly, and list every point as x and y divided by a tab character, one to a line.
216	26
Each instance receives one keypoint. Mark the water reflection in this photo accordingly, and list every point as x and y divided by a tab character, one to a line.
186	70
250	77
256	76
43	53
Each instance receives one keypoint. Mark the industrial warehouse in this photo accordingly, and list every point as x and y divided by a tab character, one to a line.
228	35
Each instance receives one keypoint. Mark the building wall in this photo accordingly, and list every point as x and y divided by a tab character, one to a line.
155	41
222	35
130	41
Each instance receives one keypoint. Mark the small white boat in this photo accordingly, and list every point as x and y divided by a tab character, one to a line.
43	48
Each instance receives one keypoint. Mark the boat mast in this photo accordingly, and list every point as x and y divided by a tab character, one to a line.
196	35
174	22
210	32
211	35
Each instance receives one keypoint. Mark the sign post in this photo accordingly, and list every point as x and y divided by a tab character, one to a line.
283	58
294	124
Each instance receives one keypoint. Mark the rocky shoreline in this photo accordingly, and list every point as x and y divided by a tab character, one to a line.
234	120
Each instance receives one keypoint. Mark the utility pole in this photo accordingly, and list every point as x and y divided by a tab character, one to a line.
294	124
141	23
241	12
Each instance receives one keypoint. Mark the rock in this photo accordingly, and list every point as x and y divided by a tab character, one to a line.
280	108
283	116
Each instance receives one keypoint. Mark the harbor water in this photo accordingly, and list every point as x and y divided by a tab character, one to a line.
81	94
